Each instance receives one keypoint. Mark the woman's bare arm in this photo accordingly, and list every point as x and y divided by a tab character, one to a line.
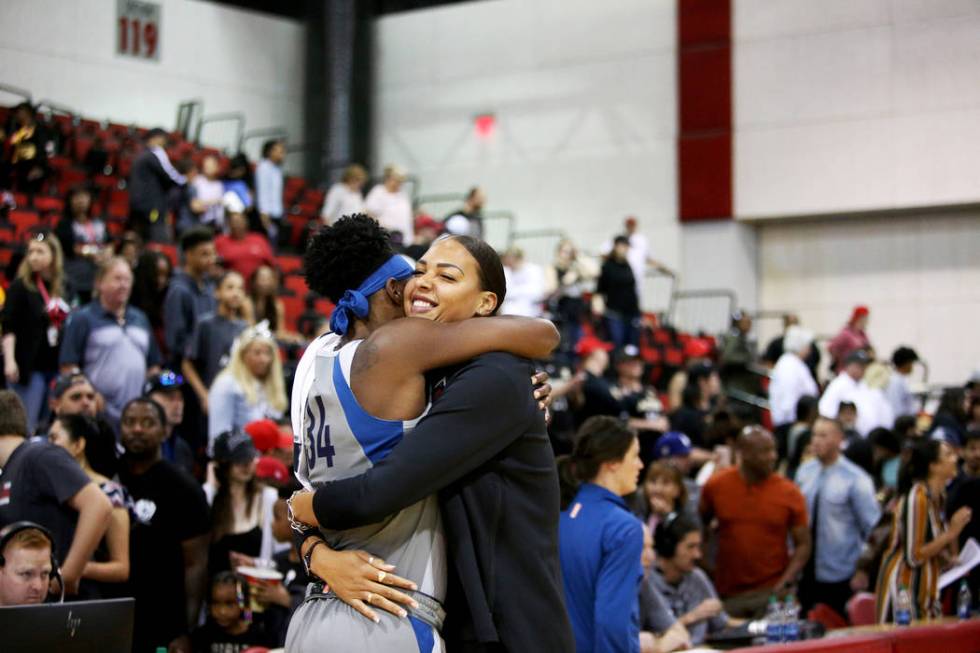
423	345
387	374
116	570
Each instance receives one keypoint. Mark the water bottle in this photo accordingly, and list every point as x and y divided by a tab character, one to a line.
963	601
791	620
903	607
774	621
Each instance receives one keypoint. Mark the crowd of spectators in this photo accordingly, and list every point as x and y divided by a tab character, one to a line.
145	426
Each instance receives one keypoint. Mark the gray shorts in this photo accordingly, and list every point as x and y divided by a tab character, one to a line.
328	625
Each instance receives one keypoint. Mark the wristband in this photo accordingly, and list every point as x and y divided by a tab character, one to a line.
308	558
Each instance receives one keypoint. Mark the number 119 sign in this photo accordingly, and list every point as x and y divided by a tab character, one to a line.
138	29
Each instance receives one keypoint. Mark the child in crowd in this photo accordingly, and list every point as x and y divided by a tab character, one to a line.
229	627
208	348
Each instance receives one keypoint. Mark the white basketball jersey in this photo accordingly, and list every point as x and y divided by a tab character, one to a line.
334	438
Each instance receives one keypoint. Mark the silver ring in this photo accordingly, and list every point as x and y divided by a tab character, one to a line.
381	576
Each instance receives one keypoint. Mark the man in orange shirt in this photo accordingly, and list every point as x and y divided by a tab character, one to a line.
757	511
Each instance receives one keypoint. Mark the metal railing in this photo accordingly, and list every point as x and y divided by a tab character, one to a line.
747	398
187	112
657	292
707	310
16	90
538	245
278	132
445	202
498	229
52	108
236	117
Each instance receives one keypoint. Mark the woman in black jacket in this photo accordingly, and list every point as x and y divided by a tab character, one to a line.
32	321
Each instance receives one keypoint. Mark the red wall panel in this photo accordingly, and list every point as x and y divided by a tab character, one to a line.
704	91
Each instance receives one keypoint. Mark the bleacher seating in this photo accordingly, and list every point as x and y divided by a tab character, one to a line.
76	137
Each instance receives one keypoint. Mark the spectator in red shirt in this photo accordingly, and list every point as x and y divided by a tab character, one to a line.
241	250
851	338
757	511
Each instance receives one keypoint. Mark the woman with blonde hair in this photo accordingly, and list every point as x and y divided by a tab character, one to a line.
251	387
345	197
32	321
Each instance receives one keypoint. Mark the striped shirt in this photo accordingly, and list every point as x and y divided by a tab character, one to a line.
918	520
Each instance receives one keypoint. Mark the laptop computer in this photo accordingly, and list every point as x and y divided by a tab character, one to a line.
82	627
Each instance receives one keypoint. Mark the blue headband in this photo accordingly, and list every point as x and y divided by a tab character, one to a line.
355	301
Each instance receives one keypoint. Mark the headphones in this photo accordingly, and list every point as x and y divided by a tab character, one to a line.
664	538
8	532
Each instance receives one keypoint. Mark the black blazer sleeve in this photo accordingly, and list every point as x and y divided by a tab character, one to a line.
482	411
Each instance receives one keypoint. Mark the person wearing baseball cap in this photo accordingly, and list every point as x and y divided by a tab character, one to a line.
73	394
166	388
674	448
851	338
241	505
271	440
674	444
267	436
427	229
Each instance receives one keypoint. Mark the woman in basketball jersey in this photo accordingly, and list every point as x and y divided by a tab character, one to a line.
360	389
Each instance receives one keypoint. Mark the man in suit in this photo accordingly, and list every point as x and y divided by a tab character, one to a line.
151	177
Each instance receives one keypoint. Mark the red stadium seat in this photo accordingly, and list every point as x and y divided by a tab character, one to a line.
45	204
314	196
23	221
296	284
105	181
116	227
324	307
118	196
293	307
118	210
21	200
59	162
82	146
289	264
119	131
309	209
861	609
72	176
124	164
88	126
297	225
169	250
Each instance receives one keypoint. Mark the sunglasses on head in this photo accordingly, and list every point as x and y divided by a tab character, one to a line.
170	379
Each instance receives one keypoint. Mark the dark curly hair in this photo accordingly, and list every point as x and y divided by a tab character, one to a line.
340	257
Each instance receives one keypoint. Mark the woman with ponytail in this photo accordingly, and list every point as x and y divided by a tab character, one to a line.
600	541
93	446
920	540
